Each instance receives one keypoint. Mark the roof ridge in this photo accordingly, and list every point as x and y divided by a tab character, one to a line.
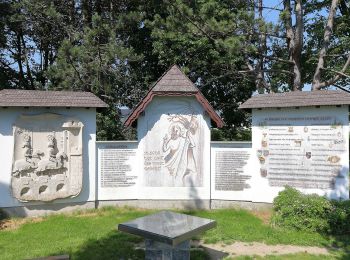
297	99
162	76
179	85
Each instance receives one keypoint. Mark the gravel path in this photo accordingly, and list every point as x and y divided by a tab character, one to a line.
220	250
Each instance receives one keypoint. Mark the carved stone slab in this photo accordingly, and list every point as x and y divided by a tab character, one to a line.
173	151
47	158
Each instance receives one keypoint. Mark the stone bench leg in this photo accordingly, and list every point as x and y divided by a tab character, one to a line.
160	251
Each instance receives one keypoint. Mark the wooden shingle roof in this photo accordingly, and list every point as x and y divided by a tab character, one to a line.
174	83
298	99
40	98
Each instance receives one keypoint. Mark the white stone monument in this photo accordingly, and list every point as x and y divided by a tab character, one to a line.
47	146
173	125
300	139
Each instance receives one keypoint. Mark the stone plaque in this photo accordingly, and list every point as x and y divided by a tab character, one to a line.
116	169
303	152
229	170
47	158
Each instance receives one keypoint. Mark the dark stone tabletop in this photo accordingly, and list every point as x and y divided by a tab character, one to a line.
167	227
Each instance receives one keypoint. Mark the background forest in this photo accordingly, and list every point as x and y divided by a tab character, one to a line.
230	49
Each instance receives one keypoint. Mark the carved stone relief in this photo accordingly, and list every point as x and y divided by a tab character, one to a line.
173	149
48	157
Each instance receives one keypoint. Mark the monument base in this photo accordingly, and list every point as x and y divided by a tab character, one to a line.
156	250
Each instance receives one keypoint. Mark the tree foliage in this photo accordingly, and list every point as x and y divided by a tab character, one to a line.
117	49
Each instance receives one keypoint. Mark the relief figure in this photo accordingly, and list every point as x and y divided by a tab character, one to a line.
180	160
54	173
25	165
55	160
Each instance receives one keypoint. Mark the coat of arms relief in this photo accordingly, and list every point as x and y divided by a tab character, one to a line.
48	157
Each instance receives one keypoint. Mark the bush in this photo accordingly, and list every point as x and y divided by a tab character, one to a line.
293	209
339	218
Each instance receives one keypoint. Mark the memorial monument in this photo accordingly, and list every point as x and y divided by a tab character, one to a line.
300	139
48	157
173	125
47	148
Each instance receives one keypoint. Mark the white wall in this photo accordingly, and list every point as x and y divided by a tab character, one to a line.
152	128
305	130
231	171
109	154
7	118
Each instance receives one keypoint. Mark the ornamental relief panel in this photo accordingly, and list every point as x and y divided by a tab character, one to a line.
47	158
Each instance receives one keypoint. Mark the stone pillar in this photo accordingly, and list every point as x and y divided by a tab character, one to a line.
161	251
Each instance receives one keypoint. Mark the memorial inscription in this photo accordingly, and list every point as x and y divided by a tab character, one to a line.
229	170
153	160
301	152
116	168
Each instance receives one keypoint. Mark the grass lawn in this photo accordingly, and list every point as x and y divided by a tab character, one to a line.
92	235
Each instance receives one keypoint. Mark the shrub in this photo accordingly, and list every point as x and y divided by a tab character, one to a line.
339	219
292	209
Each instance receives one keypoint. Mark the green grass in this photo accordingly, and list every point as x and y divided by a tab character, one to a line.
93	235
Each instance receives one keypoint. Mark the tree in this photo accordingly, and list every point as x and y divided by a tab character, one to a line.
317	44
95	60
206	39
339	43
117	49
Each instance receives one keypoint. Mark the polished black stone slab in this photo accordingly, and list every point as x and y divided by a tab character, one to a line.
167	227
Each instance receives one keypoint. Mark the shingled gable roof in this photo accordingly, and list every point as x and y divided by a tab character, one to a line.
298	99
174	83
40	98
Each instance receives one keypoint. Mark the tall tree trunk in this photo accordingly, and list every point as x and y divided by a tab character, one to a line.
298	45
316	83
294	41
19	60
289	35
86	11
261	84
29	73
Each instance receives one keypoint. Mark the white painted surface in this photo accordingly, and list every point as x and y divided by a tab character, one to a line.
131	168
7	119
153	128
237	166
267	126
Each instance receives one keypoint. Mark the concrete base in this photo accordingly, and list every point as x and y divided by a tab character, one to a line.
236	204
47	209
50	208
158	204
160	251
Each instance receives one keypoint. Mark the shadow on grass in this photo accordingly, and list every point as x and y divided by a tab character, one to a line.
114	246
119	245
